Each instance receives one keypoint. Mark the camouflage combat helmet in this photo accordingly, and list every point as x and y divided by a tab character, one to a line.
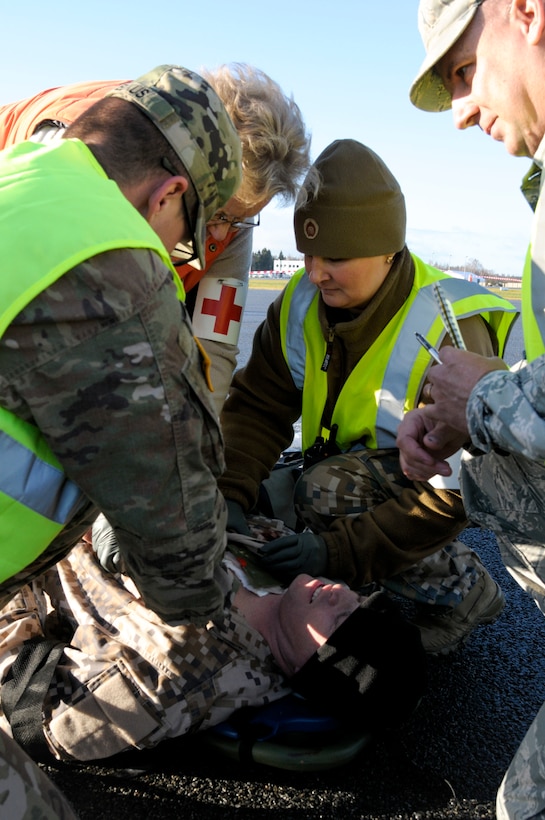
191	116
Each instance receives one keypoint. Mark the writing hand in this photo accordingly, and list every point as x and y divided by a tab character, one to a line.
425	443
451	384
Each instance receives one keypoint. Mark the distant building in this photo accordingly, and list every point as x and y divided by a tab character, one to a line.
468	275
287	266
488	280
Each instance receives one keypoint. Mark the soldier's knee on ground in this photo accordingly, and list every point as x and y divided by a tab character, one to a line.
26	790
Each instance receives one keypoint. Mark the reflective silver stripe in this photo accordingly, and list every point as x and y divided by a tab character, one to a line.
34	483
398	371
395	385
301	299
538	297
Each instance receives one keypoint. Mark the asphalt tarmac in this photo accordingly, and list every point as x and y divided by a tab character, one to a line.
447	762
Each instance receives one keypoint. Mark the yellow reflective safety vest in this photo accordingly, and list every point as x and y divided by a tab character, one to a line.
57	208
388	379
533	295
533	277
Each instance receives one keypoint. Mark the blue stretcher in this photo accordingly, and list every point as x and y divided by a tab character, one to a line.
287	734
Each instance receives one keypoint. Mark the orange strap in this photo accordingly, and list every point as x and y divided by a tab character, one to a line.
190	275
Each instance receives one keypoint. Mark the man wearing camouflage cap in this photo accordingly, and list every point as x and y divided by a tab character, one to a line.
275	155
486	60
104	403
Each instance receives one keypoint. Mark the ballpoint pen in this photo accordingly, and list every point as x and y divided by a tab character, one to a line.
430	348
447	315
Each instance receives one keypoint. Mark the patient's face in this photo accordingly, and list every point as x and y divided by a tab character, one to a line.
309	613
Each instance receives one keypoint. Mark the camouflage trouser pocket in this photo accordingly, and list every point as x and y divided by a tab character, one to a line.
348	484
110	718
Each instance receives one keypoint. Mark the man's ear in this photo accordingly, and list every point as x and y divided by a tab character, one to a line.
530	15
164	194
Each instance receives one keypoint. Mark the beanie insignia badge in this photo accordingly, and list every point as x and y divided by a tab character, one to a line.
311	228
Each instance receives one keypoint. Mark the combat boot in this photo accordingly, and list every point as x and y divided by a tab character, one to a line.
443	632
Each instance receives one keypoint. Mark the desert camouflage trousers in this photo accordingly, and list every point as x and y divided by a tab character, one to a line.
506	494
25	791
126	679
355	483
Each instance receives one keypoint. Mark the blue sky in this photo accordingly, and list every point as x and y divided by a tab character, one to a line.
348	65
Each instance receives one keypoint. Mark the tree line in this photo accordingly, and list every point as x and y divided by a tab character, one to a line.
264	260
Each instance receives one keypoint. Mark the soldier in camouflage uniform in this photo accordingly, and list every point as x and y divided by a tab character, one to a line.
275	155
498	414
122	678
103	361
97	356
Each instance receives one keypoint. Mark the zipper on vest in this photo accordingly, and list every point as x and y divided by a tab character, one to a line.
329	348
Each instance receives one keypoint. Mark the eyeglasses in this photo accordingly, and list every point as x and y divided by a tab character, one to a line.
234	224
184	252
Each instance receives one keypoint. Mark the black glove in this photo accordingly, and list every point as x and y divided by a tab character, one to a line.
291	555
236	520
105	545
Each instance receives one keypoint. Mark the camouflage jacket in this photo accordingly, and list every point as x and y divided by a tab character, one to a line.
506	411
104	363
128	679
48	113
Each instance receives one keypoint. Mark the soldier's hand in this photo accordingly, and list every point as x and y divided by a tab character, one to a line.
105	545
236	520
291	555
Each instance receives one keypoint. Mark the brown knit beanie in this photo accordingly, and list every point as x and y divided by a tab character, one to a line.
359	210
372	672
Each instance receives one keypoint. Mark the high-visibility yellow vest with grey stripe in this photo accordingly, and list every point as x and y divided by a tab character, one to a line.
533	294
57	208
387	380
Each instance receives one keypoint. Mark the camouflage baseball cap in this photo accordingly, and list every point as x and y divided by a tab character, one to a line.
189	113
441	23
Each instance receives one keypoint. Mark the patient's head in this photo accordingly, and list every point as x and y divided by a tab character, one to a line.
358	657
309	611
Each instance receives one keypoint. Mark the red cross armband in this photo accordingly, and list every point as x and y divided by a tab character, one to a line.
218	309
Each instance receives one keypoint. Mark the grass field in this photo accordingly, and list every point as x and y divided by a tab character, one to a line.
513	294
268	284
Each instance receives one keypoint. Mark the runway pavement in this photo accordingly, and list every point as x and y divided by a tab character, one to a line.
446	763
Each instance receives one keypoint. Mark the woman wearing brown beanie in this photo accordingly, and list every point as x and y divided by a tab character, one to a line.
338	348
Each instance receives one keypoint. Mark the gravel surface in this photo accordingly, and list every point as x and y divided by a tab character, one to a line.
446	763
